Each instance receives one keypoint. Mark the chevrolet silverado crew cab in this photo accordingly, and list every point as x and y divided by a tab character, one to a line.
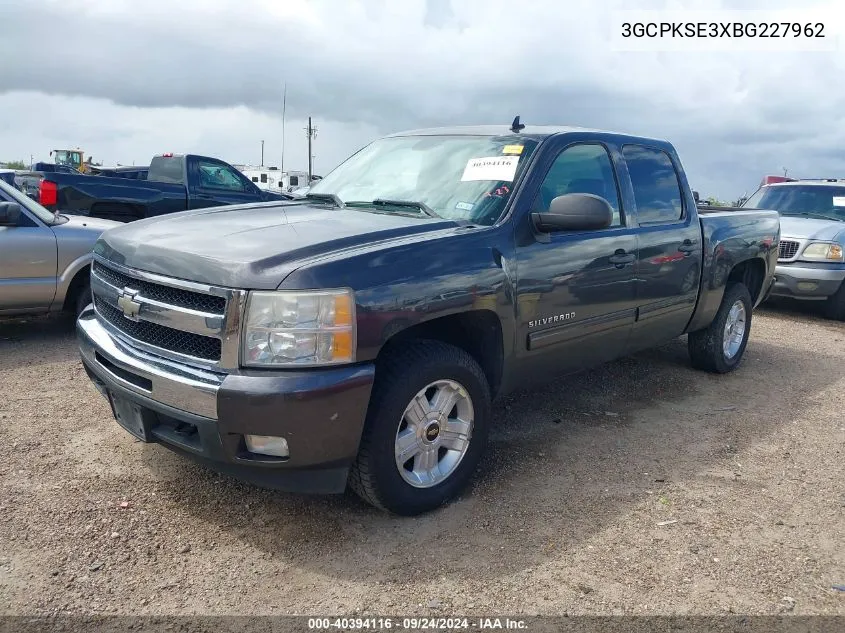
811	259
358	335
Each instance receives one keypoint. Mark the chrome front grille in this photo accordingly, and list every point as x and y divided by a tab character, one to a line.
787	249
186	321
165	294
161	336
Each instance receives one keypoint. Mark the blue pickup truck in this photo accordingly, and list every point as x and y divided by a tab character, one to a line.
174	182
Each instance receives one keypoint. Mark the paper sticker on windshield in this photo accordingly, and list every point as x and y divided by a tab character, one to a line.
464	206
491	168
512	149
839	201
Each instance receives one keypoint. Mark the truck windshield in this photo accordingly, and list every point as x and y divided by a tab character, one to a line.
458	177
808	201
10	194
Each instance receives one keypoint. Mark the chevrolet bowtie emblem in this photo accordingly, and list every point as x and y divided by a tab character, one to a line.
126	302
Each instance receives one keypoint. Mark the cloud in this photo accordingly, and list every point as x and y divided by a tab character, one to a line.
207	76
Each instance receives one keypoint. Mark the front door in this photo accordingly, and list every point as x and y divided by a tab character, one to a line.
575	289
27	265
215	183
670	249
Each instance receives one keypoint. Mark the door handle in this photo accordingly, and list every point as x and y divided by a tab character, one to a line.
687	247
620	258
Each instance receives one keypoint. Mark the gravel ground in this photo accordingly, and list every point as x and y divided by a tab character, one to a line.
640	487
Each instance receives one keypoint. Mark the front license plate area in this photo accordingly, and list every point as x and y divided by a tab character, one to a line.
131	417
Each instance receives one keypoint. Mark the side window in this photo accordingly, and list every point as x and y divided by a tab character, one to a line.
263	177
657	191
584	168
294	181
255	179
216	176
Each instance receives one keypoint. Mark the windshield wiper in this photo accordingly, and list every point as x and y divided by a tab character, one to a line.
818	216
325	197
420	206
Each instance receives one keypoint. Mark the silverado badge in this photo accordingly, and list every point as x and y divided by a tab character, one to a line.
567	316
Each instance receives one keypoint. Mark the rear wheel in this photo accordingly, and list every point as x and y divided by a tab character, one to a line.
719	347
835	305
426	428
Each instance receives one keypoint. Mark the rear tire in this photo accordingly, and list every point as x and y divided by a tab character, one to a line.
835	305
719	347
426	428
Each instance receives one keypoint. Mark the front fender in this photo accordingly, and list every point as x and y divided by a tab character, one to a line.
68	275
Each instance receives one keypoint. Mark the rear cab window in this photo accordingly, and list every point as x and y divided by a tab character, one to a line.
657	188
166	169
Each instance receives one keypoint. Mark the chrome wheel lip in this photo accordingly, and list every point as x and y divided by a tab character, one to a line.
736	325
431	440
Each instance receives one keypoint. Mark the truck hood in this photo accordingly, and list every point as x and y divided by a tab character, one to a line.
810	228
253	246
80	224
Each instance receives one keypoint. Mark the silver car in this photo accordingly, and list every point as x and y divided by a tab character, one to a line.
811	261
45	258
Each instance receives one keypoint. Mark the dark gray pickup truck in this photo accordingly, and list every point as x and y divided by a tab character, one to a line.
358	335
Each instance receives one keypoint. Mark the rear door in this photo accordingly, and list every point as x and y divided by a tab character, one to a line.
575	289
212	182
669	261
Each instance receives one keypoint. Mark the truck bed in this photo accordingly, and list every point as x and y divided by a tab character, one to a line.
731	235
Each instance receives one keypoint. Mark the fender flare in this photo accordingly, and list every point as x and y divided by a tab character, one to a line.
67	277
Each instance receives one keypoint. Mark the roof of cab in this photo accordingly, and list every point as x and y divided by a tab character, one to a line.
536	132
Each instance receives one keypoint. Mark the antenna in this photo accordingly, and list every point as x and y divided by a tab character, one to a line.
516	126
284	105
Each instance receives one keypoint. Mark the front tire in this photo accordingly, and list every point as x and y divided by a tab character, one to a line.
82	300
426	428
835	305
719	347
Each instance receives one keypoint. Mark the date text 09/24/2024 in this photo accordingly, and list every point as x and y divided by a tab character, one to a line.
457	623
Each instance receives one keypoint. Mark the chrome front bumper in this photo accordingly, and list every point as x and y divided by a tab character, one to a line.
176	385
808	281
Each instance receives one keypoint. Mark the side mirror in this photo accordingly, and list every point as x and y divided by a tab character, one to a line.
696	197
10	213
575	212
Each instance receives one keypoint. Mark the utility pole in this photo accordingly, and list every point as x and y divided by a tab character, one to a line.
312	133
262	153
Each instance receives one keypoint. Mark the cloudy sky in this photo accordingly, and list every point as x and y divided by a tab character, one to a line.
125	79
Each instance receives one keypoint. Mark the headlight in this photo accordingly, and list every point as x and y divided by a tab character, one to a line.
822	251
299	327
